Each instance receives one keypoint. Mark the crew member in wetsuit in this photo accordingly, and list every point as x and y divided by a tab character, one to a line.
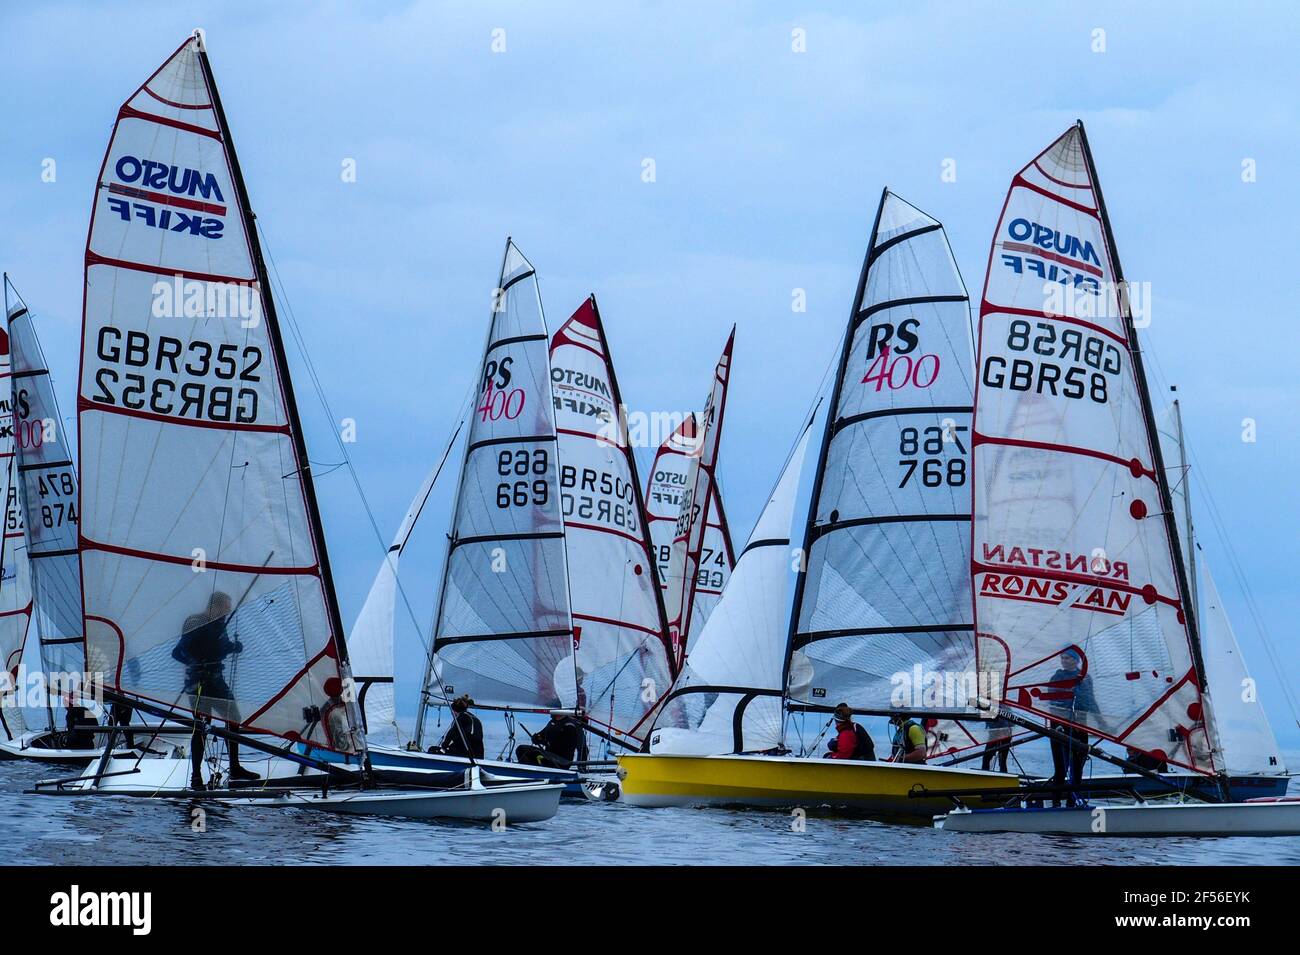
339	734
1069	699
76	721
908	740
119	714
465	735
850	741
998	746
203	648
560	744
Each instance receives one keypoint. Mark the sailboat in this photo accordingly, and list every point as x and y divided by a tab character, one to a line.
664	494
41	585
691	540
549	598
1082	593
880	586
206	587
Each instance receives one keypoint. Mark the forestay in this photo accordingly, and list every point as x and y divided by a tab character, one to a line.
503	631
882	617
735	677
623	664
1074	547
682	580
48	496
664	492
206	582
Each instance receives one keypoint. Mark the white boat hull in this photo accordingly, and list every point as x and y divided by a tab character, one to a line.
28	747
1148	819
528	802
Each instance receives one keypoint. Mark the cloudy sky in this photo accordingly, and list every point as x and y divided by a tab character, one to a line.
768	165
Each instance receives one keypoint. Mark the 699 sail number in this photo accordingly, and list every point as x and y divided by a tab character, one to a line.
525	481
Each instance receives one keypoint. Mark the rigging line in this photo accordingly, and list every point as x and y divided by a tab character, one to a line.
1234	563
347	459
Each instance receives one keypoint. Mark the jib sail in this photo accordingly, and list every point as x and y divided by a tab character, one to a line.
206	584
882	615
623	663
503	631
1080	594
729	697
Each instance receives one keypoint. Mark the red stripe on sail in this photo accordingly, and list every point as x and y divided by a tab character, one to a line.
94	258
1143	471
162	198
618	623
605	530
169	102
1024	183
1053	256
324	654
85	404
130	112
254	569
1060	182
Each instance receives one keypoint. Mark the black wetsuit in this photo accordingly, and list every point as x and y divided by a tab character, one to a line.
464	737
559	744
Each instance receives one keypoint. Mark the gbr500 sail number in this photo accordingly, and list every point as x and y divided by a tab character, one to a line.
165	375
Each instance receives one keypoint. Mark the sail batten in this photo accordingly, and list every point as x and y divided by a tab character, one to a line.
1079	589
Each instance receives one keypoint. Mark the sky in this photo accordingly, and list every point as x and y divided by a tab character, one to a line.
466	123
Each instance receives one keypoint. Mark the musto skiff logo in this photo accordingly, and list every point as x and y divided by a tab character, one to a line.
1059	578
174	198
1051	255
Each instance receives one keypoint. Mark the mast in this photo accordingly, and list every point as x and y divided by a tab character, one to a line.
1193	580
1148	417
828	432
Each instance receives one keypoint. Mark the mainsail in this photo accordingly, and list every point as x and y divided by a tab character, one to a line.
48	497
664	492
686	558
623	655
503	631
882	614
15	571
735	676
206	584
1080	592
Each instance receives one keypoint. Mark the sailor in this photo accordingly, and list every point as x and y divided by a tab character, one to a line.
120	714
465	735
334	721
850	741
1069	699
908	740
76	721
560	744
203	648
999	744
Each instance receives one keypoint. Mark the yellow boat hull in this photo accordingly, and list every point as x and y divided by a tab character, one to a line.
652	780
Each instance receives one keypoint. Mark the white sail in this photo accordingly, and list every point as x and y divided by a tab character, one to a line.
686	558
15	570
370	643
503	631
740	659
883	613
206	581
1245	736
48	494
1079	596
623	664
664	491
